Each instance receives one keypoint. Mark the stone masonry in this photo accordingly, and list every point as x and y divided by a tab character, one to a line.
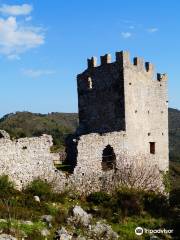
26	159
123	107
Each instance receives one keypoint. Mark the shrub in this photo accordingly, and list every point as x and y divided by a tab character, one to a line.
175	198
6	186
156	204
135	172
22	209
59	197
98	197
61	216
40	188
166	181
130	201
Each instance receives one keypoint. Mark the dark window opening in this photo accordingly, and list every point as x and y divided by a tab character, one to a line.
152	147
108	159
24	147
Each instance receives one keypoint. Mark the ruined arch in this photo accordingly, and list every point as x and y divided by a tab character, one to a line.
108	158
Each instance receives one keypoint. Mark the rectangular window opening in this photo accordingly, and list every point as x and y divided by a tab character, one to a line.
152	147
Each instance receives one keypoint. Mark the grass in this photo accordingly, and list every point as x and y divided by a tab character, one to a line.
21	228
126	229
17	207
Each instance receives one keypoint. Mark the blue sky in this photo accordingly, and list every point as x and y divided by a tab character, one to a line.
44	44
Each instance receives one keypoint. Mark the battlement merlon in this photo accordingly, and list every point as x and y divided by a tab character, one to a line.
162	77
139	63
92	62
105	59
123	60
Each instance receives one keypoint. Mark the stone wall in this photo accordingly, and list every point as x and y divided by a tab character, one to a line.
101	98
26	159
89	175
146	110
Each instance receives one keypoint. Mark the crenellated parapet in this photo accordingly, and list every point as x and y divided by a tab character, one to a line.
122	59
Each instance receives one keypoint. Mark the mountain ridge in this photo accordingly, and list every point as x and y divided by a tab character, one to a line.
59	125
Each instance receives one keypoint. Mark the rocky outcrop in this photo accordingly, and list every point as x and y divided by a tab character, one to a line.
7	237
62	234
80	217
103	231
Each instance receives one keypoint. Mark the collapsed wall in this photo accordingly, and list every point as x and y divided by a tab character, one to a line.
100	165
104	163
26	159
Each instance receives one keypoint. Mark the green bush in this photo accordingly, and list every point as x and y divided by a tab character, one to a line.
166	181
156	204
6	186
35	235
122	203
98	197
130	201
39	188
61	216
175	198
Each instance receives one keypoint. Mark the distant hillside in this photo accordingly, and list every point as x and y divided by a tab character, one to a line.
174	134
21	124
26	124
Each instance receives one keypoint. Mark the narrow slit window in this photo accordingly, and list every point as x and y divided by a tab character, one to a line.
90	85
152	146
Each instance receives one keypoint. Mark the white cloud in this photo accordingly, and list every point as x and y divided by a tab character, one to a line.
34	73
126	34
16	10
15	38
152	30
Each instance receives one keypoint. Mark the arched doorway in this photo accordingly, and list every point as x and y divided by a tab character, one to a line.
108	159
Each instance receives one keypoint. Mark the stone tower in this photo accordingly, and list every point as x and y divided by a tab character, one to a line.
122	107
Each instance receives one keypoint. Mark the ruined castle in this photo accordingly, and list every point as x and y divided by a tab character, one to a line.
123	108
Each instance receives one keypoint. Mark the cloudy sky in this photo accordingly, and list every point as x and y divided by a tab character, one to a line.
44	44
